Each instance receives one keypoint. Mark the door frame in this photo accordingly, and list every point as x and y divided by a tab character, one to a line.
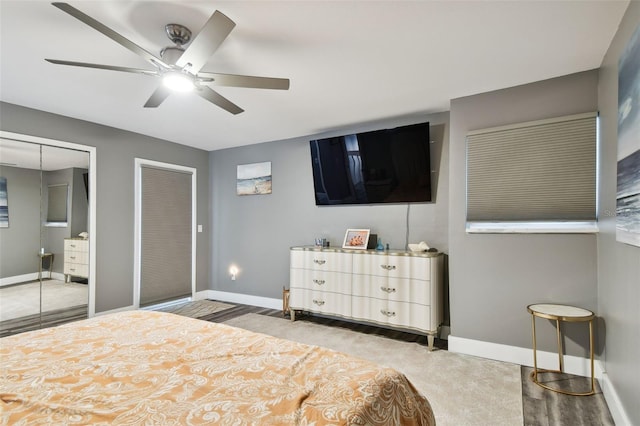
139	163
91	150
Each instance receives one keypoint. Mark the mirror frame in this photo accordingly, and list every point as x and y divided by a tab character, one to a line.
91	150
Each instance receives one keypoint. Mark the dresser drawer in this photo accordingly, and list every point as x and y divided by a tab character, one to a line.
398	289
81	257
328	261
335	282
76	245
393	313
320	302
402	290
77	270
389	266
409	315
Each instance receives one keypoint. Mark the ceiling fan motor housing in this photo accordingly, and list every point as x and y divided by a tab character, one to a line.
179	34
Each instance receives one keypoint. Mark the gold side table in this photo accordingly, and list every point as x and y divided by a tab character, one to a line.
559	313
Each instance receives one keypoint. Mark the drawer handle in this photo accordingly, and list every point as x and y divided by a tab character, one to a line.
388	267
388	289
319	261
319	282
387	313
318	302
72	269
72	257
73	245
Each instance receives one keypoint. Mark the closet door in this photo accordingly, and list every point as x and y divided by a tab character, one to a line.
20	236
166	235
64	236
37	212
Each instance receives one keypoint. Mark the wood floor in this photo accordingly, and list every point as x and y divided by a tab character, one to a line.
540	407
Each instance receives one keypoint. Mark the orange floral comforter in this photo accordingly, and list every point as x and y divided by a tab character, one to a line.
157	368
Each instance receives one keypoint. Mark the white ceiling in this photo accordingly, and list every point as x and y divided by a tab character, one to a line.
350	62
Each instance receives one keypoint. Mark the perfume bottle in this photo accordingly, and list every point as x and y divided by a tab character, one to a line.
379	247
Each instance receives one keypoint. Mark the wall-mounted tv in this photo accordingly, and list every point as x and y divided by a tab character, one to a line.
382	166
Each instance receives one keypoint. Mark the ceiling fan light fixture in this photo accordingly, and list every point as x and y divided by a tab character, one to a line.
178	81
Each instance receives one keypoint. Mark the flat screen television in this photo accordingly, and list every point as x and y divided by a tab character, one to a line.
382	166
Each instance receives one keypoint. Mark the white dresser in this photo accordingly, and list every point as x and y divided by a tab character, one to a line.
396	289
76	258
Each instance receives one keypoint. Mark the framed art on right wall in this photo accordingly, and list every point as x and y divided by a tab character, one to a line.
628	180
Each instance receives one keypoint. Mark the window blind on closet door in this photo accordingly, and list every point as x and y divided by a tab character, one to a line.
538	171
166	226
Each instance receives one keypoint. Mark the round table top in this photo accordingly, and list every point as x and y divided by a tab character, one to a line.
561	312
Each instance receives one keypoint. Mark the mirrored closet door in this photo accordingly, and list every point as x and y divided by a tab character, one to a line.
44	219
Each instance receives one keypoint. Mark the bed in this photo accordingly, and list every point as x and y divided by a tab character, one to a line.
142	367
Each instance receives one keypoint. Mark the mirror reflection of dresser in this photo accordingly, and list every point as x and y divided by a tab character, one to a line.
76	258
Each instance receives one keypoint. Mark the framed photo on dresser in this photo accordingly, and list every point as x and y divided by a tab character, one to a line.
356	239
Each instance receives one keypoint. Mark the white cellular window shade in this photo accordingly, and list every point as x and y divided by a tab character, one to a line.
539	172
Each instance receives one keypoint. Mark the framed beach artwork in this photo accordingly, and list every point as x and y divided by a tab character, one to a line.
4	203
254	179
356	239
628	183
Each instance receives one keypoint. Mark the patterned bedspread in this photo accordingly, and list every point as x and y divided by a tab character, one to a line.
156	368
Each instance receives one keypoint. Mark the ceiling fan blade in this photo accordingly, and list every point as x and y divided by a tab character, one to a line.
234	80
103	67
210	37
158	96
65	7
216	98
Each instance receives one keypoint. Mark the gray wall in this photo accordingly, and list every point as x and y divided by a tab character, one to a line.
255	232
493	277
20	242
116	150
618	264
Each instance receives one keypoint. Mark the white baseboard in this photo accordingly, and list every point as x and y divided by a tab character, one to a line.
245	299
616	408
33	276
18	279
57	276
523	356
113	311
201	295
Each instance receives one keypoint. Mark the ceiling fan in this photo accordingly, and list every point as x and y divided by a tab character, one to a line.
180	68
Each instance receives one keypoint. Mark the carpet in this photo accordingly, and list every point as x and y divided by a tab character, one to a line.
196	309
463	390
22	300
